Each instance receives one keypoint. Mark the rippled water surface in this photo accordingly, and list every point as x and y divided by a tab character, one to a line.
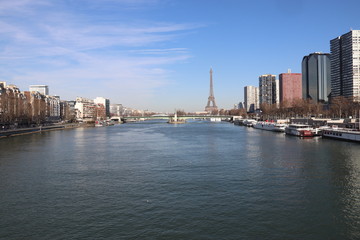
190	181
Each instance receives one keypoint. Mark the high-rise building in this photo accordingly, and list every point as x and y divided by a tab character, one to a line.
316	78
290	87
251	98
42	89
105	102
268	89
345	65
240	105
116	109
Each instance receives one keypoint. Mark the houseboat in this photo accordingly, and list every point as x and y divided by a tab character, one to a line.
301	130
215	119
249	122
346	134
270	126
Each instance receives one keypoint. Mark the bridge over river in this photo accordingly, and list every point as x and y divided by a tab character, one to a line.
168	117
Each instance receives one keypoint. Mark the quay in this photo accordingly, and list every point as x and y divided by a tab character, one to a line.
339	129
23	131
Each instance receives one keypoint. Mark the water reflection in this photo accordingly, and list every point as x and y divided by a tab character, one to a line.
308	165
194	181
345	181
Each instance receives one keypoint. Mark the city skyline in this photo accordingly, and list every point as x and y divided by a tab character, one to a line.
156	54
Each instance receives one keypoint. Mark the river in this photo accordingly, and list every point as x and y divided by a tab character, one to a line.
198	180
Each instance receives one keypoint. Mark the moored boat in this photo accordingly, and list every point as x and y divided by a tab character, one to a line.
270	126
301	130
215	119
342	134
249	122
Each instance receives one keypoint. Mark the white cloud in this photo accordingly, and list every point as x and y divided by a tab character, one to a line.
62	48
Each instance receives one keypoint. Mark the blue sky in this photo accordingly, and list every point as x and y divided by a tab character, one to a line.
156	54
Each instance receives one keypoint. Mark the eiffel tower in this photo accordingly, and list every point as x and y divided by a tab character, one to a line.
211	98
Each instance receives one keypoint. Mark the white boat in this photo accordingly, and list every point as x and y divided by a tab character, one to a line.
249	122
271	126
342	134
301	130
215	119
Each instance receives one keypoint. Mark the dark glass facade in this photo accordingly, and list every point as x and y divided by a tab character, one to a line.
316	77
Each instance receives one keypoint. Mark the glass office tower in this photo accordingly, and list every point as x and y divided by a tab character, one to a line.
316	77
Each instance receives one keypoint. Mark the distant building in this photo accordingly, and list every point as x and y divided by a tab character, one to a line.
105	102
240	105
201	113
53	109
290	87
42	89
345	65
67	110
85	109
251	98
116	110
27	108
268	89
316	77
100	111
211	105
71	104
38	107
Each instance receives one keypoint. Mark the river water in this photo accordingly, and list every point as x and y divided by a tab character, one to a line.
190	181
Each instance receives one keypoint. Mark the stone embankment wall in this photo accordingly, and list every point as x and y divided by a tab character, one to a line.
22	131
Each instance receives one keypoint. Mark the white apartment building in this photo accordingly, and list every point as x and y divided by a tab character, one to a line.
251	98
105	102
42	89
53	110
85	109
116	110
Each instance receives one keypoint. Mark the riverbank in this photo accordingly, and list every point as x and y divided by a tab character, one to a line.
23	131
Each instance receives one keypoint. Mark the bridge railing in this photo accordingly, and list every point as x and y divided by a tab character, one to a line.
185	116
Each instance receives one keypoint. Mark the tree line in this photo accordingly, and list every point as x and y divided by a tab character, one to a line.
338	107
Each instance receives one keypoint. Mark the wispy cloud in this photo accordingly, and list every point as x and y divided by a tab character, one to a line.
52	43
160	51
20	6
